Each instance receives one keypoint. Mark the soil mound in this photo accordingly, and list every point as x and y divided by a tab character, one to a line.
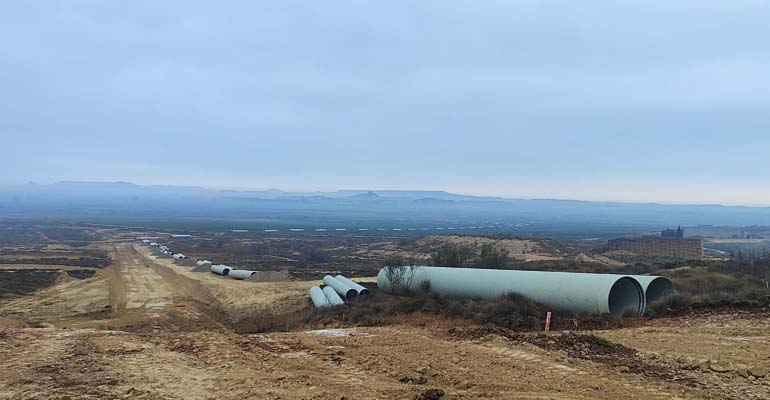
202	268
269	276
186	262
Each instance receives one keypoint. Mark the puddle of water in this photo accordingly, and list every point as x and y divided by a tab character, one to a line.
337	332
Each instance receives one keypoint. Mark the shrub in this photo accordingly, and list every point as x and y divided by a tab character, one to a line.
399	278
511	311
491	257
450	255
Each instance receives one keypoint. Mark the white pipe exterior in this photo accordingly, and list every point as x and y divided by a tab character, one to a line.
655	287
362	291
221	269
345	291
332	296
564	291
318	297
241	273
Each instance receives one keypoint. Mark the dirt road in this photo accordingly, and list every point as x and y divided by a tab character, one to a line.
131	293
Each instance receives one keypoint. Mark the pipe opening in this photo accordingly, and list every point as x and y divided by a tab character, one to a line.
351	294
626	298
659	288
226	271
364	292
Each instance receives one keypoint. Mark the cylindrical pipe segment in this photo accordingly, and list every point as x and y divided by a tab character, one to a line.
655	287
565	291
221	269
345	291
241	273
332	296
362	291
318	297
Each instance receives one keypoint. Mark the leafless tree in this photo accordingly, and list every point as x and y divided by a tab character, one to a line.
399	277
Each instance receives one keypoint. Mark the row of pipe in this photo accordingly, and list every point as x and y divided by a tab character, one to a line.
165	250
579	293
224	270
218	269
336	291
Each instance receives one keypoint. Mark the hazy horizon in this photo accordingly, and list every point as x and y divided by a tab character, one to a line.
663	102
373	189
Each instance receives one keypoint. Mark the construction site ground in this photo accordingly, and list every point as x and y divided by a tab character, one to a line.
145	328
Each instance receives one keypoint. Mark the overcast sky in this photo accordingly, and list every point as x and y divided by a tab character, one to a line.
664	101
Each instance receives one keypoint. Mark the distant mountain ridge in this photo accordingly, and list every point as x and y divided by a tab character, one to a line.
126	198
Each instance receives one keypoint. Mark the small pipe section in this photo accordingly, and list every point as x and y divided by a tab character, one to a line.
345	291
362	291
241	274
319	298
221	269
332	296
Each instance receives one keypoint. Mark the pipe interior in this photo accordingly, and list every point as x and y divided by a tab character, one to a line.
226	271
626	298
351	294
658	289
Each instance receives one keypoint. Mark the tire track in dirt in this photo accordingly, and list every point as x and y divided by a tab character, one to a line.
150	294
599	379
331	366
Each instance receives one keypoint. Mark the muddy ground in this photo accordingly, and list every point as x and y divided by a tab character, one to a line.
145	328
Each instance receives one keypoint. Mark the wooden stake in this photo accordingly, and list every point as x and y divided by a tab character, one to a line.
548	323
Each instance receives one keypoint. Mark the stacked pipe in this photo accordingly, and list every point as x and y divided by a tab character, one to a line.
580	293
337	290
362	291
342	288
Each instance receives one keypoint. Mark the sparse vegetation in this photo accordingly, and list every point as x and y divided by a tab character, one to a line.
18	282
512	311
491	257
451	255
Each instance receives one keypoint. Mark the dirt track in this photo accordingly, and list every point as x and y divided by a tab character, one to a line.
145	328
141	290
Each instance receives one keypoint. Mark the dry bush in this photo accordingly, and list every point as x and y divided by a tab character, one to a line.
511	311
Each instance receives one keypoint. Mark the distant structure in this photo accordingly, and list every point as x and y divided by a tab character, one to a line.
673	233
659	246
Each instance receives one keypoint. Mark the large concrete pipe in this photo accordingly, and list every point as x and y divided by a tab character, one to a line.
362	291
332	296
345	291
241	273
318	297
564	291
655	287
221	269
